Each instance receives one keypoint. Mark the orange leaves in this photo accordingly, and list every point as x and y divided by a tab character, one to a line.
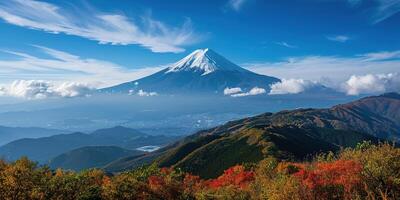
236	176
156	182
191	181
341	172
343	176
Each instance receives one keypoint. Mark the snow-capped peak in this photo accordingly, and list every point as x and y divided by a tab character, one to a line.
204	61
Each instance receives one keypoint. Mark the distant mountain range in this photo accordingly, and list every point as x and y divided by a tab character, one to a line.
287	135
8	134
203	71
46	148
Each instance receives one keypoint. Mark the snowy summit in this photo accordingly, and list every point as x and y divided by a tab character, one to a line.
204	61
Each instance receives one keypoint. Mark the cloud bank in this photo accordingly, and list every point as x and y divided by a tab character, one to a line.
331	71
355	85
109	28
371	83
291	86
38	89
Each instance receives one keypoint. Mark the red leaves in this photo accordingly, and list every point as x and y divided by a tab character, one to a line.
321	179
191	180
236	176
156	182
343	174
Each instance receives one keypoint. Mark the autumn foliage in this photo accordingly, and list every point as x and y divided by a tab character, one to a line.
366	172
235	176
341	177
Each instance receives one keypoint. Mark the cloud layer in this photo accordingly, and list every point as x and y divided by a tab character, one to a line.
37	89
330	70
355	85
291	86
105	28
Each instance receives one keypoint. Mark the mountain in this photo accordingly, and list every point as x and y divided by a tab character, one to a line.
46	148
8	134
203	71
376	115
287	135
90	157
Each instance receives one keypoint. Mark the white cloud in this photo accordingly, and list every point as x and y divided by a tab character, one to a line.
285	44
112	28
30	89
229	91
329	70
383	55
370	83
252	92
236	4
71	89
38	89
61	66
383	9
291	86
338	38
143	93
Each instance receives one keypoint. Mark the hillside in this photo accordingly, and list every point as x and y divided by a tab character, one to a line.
287	135
90	157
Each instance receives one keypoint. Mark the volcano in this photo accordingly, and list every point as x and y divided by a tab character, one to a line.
202	71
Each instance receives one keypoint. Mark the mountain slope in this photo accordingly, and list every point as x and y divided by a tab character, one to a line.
203	71
287	135
46	148
252	143
90	157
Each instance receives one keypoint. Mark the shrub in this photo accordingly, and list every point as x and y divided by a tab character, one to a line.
340	179
381	169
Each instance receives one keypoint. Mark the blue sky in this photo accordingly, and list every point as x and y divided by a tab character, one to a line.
105	42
